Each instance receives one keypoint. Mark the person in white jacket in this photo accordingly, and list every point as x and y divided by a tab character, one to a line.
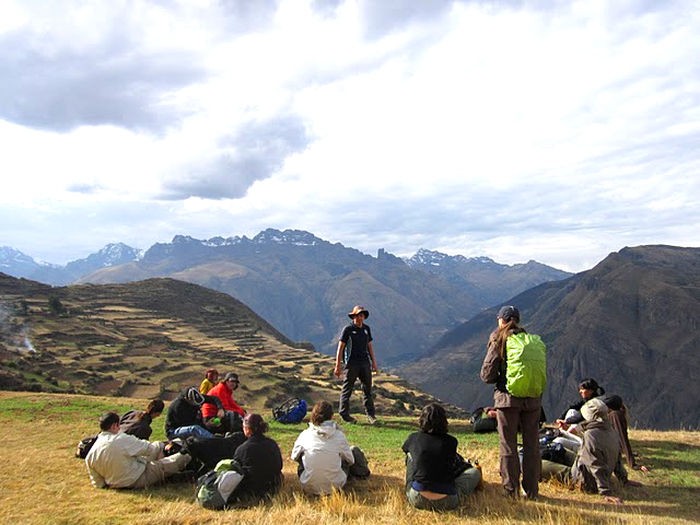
323	453
119	460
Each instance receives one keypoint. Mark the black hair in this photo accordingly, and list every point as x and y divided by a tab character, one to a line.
433	419
591	384
108	419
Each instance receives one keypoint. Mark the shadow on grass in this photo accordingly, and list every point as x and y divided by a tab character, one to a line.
661	455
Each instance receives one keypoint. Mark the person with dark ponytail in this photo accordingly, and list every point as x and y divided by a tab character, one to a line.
513	413
138	422
260	460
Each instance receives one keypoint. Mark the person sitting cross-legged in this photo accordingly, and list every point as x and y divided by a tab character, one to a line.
118	460
325	457
184	418
436	476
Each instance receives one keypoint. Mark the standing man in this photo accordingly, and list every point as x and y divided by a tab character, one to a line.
356	353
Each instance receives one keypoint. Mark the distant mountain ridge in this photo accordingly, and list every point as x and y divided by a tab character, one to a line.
305	285
630	322
17	264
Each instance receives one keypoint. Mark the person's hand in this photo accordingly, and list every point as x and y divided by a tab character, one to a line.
614	500
337	371
375	368
643	468
491	412
221	412
562	424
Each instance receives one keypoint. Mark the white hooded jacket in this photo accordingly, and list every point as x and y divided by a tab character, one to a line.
322	449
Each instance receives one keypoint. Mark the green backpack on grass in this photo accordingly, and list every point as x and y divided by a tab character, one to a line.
526	365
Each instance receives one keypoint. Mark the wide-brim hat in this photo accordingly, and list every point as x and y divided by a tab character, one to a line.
359	310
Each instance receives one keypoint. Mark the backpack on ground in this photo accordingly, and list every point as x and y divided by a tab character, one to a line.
84	446
481	422
526	365
291	411
216	486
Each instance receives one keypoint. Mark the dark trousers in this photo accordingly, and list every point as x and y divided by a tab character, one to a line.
526	417
618	419
363	372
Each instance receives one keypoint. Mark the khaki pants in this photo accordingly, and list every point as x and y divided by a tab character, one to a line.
157	471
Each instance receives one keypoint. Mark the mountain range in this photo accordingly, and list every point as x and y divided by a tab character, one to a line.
304	286
629	322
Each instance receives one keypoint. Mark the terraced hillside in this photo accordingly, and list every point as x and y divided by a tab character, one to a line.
154	337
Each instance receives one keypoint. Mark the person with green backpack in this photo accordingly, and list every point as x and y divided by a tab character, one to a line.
516	363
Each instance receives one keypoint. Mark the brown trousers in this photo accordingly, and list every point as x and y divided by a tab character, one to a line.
525	418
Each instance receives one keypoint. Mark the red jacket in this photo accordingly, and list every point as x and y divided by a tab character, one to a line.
223	392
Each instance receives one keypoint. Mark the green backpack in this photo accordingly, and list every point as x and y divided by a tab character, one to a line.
526	365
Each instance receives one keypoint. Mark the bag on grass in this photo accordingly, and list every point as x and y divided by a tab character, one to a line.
481	421
84	446
216	486
291	411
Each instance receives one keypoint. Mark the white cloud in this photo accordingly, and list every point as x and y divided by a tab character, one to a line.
523	131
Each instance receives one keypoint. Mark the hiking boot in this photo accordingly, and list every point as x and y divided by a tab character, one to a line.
371	420
348	418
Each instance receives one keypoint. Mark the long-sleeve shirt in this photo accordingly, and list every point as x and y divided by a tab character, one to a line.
322	449
598	458
118	460
224	393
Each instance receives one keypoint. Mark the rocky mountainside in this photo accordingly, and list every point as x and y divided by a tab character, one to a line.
486	280
155	337
305	286
629	322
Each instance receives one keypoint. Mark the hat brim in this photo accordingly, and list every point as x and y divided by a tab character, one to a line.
352	315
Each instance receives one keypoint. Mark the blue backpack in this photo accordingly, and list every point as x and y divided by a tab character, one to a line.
291	411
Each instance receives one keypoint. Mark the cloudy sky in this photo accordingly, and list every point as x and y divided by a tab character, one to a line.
548	130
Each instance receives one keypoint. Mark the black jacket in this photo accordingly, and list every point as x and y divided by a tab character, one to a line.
261	460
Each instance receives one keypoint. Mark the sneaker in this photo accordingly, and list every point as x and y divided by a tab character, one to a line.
349	419
372	420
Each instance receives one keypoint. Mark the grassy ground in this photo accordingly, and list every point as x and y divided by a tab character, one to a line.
41	482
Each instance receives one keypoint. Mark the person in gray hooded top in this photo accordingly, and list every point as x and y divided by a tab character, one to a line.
598	457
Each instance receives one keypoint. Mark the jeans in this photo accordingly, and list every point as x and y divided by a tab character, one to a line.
190	430
466	483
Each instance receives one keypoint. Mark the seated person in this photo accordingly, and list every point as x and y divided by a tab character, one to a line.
184	418
617	415
598	457
211	377
324	454
138	422
431	456
260	460
118	460
232	419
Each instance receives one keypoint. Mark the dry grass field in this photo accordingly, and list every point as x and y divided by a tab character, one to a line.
41	482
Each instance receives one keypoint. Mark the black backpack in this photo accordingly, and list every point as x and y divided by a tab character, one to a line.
84	446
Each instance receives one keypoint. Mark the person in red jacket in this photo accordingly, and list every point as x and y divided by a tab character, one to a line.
232	421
